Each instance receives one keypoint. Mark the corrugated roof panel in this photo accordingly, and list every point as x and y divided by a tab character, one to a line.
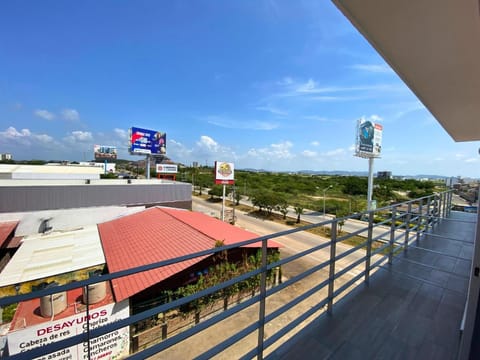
45	255
158	234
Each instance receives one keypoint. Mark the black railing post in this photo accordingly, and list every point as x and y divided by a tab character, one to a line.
263	293
440	205
369	247
87	302
429	213
407	226
393	227
419	218
331	272
450	195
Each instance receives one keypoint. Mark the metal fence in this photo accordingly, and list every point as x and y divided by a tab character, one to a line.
384	232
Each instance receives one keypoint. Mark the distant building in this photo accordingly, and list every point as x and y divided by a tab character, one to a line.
384	175
6	156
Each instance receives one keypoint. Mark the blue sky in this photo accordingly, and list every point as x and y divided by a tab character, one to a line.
276	85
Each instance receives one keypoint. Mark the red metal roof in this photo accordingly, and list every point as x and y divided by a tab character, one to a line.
6	229
158	234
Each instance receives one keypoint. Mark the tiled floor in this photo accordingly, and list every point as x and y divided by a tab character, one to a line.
411	310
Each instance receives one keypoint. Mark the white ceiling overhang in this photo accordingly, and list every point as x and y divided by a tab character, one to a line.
434	46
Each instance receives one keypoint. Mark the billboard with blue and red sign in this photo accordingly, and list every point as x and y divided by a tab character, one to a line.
144	141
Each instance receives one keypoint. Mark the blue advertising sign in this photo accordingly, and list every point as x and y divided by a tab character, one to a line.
143	141
369	139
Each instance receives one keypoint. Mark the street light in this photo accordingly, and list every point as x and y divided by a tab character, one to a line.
324	191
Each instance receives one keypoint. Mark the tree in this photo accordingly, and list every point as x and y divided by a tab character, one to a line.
283	208
267	200
237	197
217	190
299	211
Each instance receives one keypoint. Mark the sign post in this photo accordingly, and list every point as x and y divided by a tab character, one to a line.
224	175
369	145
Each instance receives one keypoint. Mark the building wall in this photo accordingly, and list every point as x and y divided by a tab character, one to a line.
17	198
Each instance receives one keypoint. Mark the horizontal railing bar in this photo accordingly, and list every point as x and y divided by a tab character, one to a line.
301	254
294	323
353	233
228	342
297	278
379	261
348	284
383	223
102	330
350	251
380	249
349	267
219	347
105	277
154	349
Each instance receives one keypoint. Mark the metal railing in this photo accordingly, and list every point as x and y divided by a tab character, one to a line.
380	240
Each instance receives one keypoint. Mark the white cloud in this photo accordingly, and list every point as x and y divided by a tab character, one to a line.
315	143
335	152
12	133
121	133
373	68
44	114
70	115
308	87
471	160
373	117
280	151
79	136
43	138
309	153
25	137
311	87
206	142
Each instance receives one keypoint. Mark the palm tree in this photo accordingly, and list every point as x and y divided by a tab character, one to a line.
299	211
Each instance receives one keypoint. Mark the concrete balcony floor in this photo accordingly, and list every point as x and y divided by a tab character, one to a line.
411	309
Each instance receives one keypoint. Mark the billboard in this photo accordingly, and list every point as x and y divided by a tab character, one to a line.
113	345
224	173
369	139
166	169
104	152
144	141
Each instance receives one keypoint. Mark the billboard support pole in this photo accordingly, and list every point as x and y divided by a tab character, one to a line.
147	175
223	203
370	183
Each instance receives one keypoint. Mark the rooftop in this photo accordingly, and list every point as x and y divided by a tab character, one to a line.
6	229
44	255
158	234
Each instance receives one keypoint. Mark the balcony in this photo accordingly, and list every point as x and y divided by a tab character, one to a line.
399	291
